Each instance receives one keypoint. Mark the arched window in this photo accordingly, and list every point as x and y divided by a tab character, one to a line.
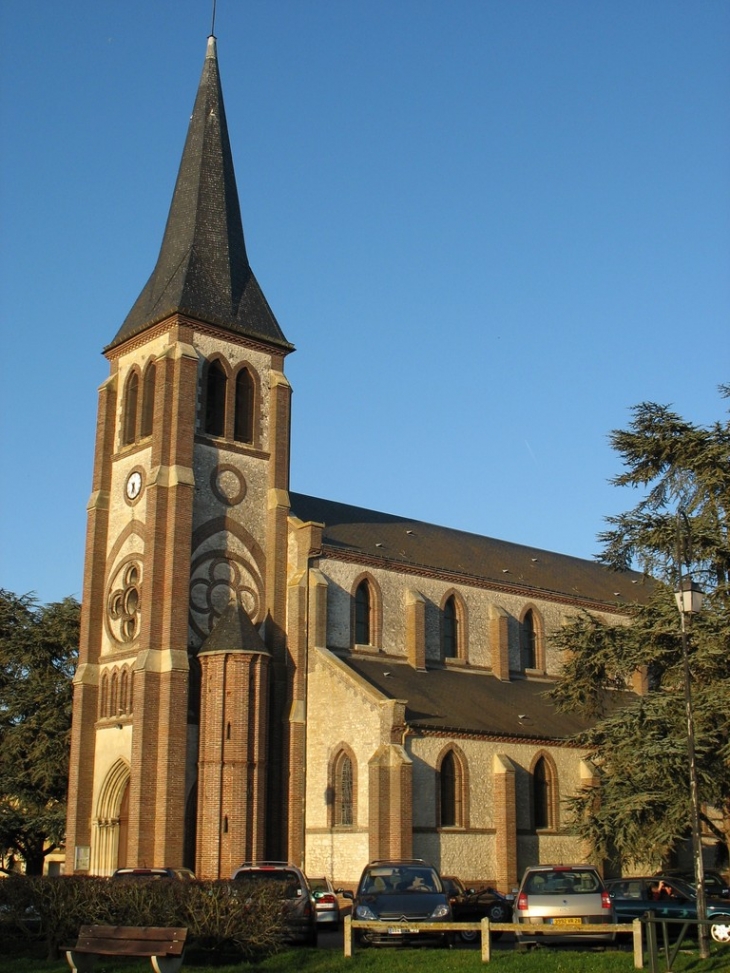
450	629
124	691
148	401
344	791
215	400
243	423
129	430
104	695
363	604
114	696
528	638
542	795
451	813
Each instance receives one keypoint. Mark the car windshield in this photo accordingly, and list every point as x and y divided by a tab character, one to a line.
392	879
569	882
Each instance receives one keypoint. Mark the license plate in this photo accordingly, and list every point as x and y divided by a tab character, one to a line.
571	921
402	930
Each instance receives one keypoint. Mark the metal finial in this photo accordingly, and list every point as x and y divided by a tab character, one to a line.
212	26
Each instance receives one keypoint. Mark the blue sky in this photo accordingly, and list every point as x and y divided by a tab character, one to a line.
490	227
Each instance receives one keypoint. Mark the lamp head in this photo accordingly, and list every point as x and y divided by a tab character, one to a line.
689	597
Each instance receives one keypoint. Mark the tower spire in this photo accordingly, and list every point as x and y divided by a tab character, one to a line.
202	270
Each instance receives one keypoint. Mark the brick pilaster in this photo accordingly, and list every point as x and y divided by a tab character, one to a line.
505	822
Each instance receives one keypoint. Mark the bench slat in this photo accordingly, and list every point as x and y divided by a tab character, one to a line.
110	947
135	932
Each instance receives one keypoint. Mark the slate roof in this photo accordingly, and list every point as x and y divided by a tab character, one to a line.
400	543
234	632
202	270
462	701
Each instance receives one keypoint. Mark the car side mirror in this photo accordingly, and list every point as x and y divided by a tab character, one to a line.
345	893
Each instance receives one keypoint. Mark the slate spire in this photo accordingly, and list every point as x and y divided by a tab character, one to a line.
203	270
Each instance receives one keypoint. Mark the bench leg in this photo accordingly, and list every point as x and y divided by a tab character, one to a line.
166	964
80	962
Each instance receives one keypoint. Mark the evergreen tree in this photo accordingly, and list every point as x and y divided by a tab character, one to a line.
639	811
38	651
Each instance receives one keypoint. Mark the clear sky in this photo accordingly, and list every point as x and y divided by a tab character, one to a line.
490	227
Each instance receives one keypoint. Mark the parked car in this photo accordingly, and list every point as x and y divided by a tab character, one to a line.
565	897
400	895
472	905
183	874
326	901
716	885
300	915
667	897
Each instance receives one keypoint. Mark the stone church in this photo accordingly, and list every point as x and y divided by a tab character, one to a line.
267	675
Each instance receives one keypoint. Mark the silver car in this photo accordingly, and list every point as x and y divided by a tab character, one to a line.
565	898
325	900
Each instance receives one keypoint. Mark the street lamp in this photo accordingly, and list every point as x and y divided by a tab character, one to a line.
689	602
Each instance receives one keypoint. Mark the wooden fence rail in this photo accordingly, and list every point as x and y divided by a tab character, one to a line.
486	928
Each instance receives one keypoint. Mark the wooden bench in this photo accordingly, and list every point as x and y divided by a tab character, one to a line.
164	946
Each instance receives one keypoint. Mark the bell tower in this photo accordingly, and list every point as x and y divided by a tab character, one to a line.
186	547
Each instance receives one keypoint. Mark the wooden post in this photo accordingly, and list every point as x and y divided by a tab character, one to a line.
638	946
486	941
348	936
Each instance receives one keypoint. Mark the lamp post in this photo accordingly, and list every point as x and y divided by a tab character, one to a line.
689	601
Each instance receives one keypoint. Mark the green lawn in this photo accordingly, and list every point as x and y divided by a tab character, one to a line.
504	960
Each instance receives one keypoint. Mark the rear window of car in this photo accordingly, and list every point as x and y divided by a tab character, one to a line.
568	882
627	890
287	881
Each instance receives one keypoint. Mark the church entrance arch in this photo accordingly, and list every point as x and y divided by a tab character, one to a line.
109	850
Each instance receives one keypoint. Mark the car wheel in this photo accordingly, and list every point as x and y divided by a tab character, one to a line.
498	913
720	929
469	935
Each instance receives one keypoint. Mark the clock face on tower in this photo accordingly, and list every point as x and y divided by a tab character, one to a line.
133	486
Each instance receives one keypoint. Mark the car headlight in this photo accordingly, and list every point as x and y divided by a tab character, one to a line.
440	912
365	913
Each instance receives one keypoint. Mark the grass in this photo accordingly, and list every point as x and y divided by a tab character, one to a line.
504	960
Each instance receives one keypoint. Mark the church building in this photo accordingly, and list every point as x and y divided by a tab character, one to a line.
268	675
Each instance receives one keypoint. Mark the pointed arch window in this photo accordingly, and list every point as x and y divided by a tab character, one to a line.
344	791
129	430
215	400
114	695
451	787
528	637
104	695
451	629
542	795
148	401
363	611
243	421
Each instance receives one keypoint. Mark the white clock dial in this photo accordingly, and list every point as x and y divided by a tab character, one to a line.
134	485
